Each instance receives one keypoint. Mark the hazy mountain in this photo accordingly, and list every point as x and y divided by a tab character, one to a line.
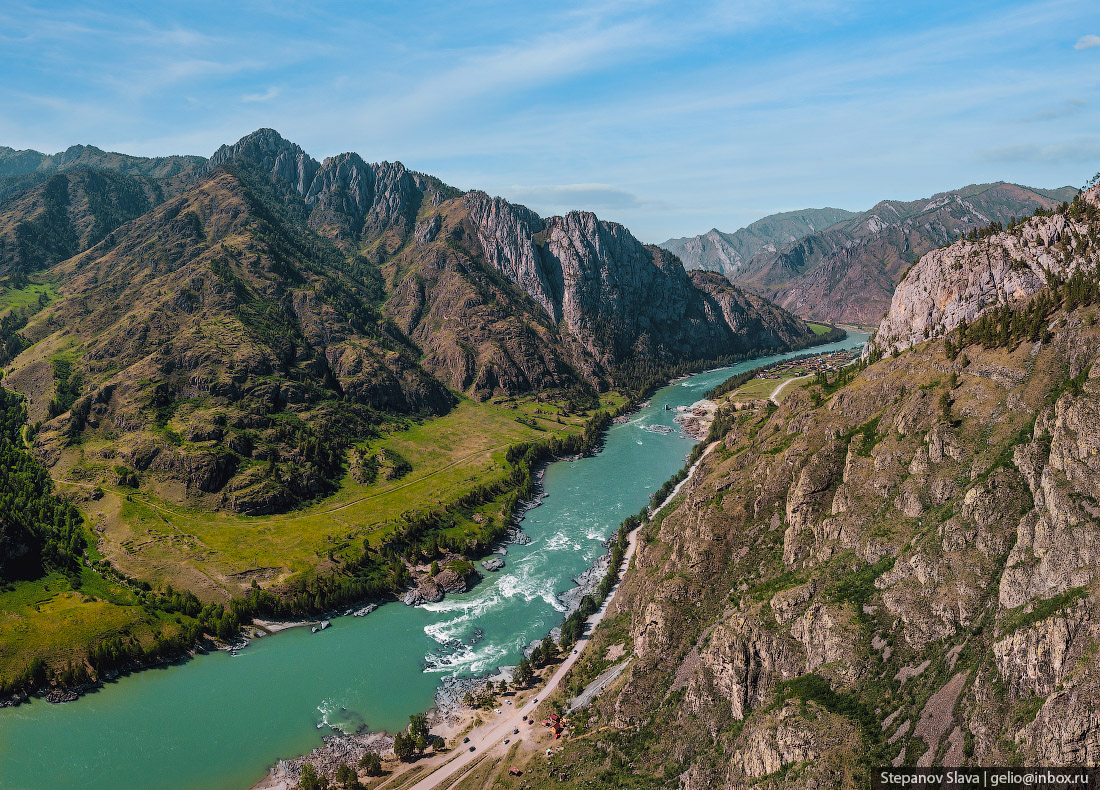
848	271
14	163
725	253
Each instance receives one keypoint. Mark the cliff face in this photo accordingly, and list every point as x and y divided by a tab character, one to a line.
726	253
616	297
338	294
848	271
899	570
954	284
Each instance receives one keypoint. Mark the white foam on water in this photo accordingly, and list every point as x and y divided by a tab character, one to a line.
466	659
326	708
560	541
446	631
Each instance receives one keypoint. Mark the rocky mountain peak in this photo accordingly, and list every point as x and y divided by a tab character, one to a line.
959	282
285	161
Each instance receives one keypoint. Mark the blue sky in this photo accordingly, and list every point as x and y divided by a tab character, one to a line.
669	117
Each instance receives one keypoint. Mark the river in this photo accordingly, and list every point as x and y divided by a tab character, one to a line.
220	721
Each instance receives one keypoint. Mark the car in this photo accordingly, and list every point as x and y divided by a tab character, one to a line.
535	700
507	740
515	731
472	748
465	740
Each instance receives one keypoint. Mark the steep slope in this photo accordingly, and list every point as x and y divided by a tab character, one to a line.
847	272
950	287
899	566
619	299
68	213
206	320
609	297
726	253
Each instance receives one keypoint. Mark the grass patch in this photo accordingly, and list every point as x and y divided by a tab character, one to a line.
46	618
446	458
1018	618
33	294
819	329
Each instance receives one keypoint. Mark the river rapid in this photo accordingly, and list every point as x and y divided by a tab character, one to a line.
218	722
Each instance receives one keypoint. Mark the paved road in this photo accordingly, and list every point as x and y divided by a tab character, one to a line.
774	397
492	733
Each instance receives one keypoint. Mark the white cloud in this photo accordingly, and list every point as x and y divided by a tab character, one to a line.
588	196
267	95
1087	42
1082	149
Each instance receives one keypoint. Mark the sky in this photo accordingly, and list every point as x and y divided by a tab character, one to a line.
669	117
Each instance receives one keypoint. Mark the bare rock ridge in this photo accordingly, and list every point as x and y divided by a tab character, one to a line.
953	285
847	271
185	311
726	253
903	569
614	296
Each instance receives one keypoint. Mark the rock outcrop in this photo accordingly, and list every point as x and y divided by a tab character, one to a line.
955	284
848	271
901	570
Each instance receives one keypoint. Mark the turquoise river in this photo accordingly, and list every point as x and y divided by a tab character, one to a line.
220	721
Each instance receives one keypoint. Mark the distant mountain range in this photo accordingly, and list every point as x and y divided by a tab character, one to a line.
726	253
216	293
846	270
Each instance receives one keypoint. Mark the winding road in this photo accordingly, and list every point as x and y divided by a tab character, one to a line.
452	767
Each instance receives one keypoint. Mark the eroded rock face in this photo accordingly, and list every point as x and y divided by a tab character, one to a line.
928	569
619	298
957	283
1035	660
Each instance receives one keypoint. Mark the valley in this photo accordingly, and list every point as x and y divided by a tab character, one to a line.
377	669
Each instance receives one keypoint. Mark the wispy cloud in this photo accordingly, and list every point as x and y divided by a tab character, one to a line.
1085	150
1087	42
567	196
267	95
1064	110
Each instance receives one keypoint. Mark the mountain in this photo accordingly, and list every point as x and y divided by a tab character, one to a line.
726	253
66	214
847	272
898	566
226	335
15	163
55	206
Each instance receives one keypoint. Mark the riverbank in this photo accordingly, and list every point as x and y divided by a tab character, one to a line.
449	768
368	672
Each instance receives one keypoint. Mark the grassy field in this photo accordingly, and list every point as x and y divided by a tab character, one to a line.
758	388
818	329
47	618
217	554
21	297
